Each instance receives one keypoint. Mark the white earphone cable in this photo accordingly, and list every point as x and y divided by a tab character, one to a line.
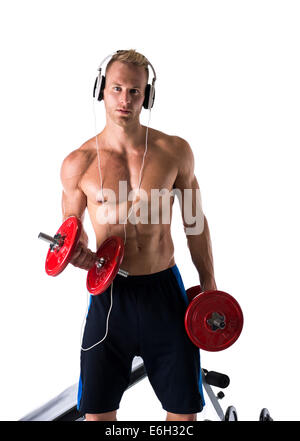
98	154
140	176
107	319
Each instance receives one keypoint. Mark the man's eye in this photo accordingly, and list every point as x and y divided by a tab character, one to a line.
117	88
134	91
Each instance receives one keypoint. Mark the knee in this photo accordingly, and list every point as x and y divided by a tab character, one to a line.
107	416
190	417
181	417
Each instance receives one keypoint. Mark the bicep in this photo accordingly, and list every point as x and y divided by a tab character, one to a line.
74	203
74	200
187	187
190	202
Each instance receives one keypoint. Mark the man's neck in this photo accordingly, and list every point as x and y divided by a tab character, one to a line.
123	138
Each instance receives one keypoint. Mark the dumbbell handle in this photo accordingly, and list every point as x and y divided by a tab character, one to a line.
216	321
55	242
100	262
48	238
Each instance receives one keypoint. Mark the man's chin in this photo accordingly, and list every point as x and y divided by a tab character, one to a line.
125	120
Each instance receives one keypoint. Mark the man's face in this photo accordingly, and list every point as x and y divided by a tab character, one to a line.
124	92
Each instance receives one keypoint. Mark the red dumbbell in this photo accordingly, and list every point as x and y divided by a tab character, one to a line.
62	246
213	319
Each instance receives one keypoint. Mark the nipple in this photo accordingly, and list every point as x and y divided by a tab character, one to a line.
101	198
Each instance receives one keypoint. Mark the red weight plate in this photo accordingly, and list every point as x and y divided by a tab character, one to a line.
99	279
58	259
201	309
193	292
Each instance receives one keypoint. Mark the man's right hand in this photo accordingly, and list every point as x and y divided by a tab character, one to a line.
83	257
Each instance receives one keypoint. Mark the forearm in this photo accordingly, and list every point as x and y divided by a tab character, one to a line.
201	252
82	256
84	238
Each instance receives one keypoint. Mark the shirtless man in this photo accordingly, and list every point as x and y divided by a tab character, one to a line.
147	317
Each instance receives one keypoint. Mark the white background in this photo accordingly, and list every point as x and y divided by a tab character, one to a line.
228	82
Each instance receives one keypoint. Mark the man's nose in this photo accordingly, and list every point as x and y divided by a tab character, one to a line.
125	96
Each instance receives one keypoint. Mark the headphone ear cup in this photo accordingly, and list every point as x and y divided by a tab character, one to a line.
96	88
101	89
148	90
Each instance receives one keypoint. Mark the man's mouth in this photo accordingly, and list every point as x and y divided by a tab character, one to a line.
124	111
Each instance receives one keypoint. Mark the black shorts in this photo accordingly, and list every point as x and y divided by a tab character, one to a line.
146	320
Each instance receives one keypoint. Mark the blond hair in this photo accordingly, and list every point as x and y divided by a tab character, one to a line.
130	56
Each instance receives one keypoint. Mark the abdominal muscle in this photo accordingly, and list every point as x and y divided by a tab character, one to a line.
148	248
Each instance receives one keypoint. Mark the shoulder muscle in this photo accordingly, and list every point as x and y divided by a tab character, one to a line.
73	168
186	163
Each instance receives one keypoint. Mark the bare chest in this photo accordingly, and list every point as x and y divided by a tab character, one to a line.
121	174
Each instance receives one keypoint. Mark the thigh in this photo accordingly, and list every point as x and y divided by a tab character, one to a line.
105	367
104	377
174	372
171	360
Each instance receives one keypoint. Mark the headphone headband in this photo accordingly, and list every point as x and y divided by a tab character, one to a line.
100	84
